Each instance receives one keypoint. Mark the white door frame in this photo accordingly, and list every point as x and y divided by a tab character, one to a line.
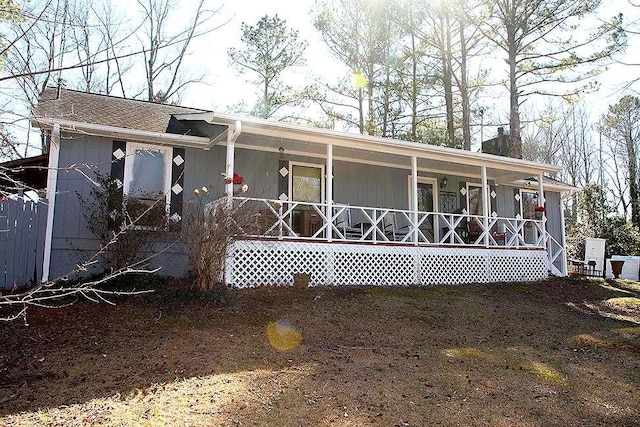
320	166
434	185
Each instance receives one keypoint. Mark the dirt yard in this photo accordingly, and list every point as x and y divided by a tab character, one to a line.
554	353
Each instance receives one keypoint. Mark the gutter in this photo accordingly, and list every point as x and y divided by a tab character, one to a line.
159	138
52	183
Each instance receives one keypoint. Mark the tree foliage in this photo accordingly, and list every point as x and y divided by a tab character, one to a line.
541	46
270	49
621	126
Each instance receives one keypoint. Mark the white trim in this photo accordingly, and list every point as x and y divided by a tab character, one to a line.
52	184
293	163
486	205
477	185
132	147
159	138
329	188
413	199
424	180
527	190
373	143
564	238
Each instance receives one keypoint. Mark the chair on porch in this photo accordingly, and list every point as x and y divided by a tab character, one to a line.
344	224
474	230
393	229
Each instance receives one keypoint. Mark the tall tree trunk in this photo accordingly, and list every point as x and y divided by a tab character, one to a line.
447	77
515	137
464	90
414	90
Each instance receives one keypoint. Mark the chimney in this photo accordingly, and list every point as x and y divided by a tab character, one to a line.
61	85
498	145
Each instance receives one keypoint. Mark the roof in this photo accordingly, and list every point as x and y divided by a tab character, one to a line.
82	107
156	123
553	183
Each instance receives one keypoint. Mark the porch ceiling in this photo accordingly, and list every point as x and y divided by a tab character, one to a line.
312	142
452	167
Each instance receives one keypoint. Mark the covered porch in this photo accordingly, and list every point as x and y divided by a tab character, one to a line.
413	213
270	245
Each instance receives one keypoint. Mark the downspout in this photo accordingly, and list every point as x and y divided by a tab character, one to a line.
52	184
231	145
485	205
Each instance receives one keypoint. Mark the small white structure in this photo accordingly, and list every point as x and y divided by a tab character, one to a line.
630	268
594	251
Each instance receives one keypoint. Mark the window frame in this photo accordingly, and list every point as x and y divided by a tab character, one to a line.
469	185
166	152
132	147
292	164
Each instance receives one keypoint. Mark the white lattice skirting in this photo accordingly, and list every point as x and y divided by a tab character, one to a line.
258	262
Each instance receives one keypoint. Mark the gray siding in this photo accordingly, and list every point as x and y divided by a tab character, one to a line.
354	184
554	223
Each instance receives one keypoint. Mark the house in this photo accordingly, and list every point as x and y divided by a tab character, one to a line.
344	208
28	174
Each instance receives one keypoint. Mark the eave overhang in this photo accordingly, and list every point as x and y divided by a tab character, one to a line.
157	138
434	158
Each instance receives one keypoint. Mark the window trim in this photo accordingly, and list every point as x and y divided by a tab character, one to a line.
468	185
526	190
128	167
320	166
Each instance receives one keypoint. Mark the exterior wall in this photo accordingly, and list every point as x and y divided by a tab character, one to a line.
71	239
554	223
354	183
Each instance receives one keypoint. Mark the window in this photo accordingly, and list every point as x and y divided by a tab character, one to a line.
147	181
306	183
528	203
475	200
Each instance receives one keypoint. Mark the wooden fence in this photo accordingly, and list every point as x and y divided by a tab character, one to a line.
22	231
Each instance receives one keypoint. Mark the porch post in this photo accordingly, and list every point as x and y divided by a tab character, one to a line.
485	204
329	191
541	200
564	240
414	184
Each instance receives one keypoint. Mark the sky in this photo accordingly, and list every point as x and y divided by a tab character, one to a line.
228	88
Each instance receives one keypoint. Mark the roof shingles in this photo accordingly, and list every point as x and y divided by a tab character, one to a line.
65	104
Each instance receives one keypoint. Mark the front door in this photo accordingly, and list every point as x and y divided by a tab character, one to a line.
528	203
307	186
426	203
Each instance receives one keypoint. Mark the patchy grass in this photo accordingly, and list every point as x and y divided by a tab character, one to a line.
559	352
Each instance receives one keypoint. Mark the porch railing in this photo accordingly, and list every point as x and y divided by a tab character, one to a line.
346	223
